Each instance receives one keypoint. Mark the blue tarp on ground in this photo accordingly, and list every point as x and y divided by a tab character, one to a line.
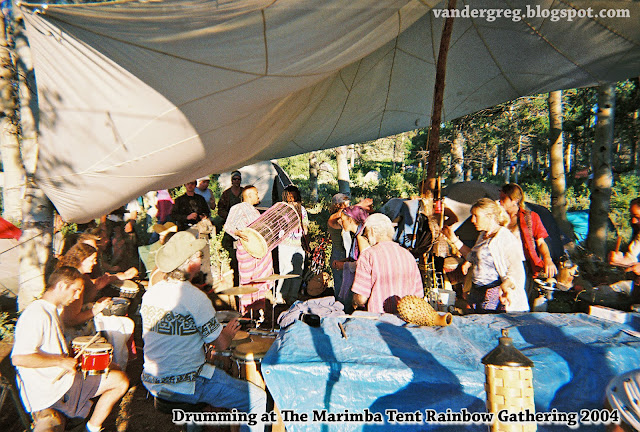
383	366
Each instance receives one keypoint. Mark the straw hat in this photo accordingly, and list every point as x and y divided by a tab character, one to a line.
166	228
177	250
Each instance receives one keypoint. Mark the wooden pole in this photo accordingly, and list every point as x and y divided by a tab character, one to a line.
433	144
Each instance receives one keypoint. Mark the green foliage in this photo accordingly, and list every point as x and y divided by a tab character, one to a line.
7	325
68	228
219	256
296	166
626	188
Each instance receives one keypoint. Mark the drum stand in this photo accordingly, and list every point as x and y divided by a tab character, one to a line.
273	307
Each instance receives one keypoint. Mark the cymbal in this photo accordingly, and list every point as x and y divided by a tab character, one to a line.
239	290
274	277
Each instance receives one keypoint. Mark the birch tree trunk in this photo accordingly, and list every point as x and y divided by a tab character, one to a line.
567	157
344	185
9	144
602	172
635	155
457	156
37	210
556	152
313	176
518	159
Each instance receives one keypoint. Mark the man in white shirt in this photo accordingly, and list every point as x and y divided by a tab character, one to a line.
179	322
40	354
202	189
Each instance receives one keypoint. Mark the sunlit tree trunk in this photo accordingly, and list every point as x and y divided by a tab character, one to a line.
567	157
602	171
352	156
343	170
9	144
518	159
556	153
37	210
457	156
635	140
313	177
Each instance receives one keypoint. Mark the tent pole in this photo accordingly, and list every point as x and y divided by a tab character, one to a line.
433	143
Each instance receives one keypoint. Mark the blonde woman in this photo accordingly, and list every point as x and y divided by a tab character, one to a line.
497	259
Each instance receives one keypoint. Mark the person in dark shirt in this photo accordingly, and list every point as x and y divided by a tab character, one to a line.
190	208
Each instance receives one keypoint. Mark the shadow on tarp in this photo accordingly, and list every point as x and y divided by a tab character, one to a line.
432	387
324	348
587	354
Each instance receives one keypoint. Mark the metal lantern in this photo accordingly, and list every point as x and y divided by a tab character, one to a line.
509	384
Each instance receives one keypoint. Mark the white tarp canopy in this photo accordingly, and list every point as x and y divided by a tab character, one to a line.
136	96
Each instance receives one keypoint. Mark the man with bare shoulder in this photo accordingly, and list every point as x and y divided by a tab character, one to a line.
631	258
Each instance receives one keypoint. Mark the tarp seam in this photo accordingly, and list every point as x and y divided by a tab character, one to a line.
175	56
393	62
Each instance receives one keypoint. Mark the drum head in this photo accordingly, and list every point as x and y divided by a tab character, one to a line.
81	341
241	337
101	347
126	285
127	288
253	350
255	244
118	307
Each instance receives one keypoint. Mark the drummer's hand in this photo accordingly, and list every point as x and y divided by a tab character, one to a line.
233	327
550	268
100	305
68	363
226	336
634	268
241	235
338	265
616	258
129	274
192	216
465	267
448	232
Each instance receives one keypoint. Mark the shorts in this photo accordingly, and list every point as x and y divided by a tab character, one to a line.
76	402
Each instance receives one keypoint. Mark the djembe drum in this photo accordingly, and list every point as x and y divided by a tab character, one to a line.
223	359
247	366
270	229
